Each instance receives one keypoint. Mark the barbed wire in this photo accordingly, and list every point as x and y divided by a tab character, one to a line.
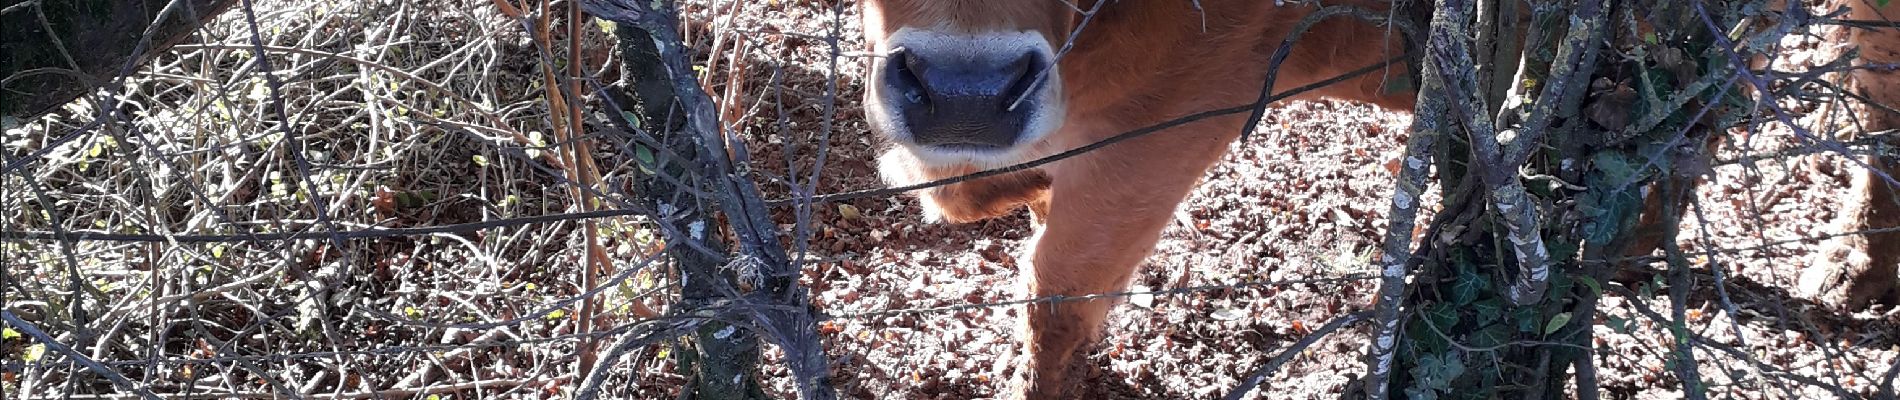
713	312
1088	297
648	330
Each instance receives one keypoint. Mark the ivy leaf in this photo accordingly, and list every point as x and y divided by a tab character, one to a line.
1443	315
1556	322
1488	310
1615	167
1526	318
1491	336
1421	393
1435	372
1469	285
1450	369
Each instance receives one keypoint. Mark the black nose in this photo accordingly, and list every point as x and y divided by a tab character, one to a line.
960	102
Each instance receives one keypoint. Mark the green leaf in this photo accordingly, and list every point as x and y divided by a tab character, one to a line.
1468	286
480	161
1526	318
1556	322
557	314
1615	167
1491	336
8	333
1421	393
1488	310
646	158
1595	287
1560	287
632	120
1450	369
1435	372
34	352
1443	315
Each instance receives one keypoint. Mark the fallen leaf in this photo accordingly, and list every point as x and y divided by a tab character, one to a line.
1141	297
1227	314
384	201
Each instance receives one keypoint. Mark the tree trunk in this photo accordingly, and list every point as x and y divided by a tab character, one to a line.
1546	130
722	358
57	50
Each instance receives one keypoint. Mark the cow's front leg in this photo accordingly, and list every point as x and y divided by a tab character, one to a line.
1105	212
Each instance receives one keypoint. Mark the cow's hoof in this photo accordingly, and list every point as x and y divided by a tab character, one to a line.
1844	275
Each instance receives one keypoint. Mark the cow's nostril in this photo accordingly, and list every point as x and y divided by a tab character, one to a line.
904	75
1028	71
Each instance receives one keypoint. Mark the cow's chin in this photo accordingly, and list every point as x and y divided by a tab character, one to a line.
947	157
904	165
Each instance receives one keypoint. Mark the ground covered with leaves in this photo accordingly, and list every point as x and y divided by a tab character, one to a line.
431	114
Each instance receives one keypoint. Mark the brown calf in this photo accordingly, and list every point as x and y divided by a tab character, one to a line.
975	84
958	91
